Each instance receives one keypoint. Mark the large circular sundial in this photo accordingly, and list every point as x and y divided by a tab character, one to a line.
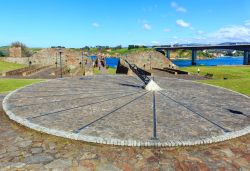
117	110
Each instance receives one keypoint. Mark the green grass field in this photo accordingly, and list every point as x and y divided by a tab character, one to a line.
237	77
110	71
97	71
7	66
221	72
7	85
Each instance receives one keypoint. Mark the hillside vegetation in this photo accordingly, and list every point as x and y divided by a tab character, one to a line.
179	54
4	51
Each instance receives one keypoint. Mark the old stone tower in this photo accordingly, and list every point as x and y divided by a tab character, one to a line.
15	52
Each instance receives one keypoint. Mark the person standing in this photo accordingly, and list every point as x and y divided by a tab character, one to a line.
198	70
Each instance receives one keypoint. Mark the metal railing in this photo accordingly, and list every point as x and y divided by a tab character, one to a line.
139	72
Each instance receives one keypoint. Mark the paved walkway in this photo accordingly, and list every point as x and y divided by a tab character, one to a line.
116	110
45	74
25	149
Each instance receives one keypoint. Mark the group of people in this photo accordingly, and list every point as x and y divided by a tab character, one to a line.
100	62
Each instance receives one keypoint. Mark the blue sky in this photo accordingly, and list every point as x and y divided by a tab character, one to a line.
76	23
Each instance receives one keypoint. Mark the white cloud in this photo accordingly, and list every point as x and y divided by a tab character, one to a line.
178	8
95	24
200	38
173	4
239	33
200	32
147	26
167	30
247	23
182	23
155	42
233	33
142	21
181	9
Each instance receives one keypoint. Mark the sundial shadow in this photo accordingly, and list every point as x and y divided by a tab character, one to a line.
236	112
130	85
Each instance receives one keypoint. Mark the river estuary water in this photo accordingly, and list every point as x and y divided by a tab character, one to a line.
227	60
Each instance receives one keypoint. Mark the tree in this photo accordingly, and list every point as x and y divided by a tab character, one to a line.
1	54
86	48
118	47
131	47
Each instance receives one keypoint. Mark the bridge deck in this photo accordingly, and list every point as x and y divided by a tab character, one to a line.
242	47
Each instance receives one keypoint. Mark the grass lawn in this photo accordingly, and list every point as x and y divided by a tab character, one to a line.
97	71
239	85
220	72
7	66
110	70
7	85
238	77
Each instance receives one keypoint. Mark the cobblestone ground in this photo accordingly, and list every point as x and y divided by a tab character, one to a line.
104	109
25	149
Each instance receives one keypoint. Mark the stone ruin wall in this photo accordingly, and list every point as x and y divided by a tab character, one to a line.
48	56
148	59
15	52
72	58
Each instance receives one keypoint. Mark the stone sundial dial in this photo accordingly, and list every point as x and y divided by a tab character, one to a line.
116	110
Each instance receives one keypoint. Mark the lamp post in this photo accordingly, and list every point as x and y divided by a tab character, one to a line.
60	51
80	63
56	60
60	55
29	61
150	62
82	58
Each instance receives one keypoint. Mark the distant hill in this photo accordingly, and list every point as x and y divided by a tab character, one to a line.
4	47
4	50
234	43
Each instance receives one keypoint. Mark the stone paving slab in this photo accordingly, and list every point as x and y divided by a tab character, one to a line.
176	123
79	118
25	149
128	123
116	110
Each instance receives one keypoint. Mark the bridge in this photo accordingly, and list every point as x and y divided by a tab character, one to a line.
240	47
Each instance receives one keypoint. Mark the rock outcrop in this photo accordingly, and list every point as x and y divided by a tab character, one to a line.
149	59
145	60
51	56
